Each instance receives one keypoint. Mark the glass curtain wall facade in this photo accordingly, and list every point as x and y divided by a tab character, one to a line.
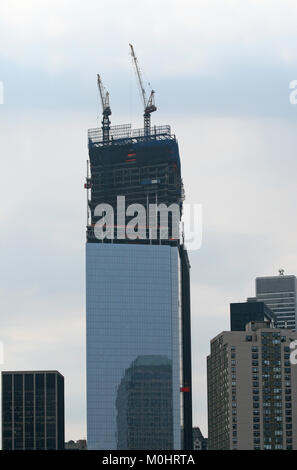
242	313
137	302
280	294
133	346
32	410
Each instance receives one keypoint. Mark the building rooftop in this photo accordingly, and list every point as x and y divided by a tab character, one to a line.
124	133
31	372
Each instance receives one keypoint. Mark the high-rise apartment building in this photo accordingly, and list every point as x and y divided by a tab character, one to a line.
280	294
32	410
252	390
137	295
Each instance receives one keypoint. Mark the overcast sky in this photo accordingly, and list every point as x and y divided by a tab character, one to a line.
221	70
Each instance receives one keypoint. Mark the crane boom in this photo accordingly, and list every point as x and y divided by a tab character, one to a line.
139	76
106	111
149	105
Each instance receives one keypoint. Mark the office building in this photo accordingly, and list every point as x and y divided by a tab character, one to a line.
199	441
252	390
32	410
280	294
242	313
144	402
138	297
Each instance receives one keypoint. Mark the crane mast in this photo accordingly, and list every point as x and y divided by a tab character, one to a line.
106	111
149	105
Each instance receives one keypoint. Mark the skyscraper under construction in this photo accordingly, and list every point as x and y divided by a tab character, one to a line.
139	392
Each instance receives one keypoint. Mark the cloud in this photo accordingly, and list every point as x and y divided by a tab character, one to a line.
222	71
177	28
42	332
204	57
248	231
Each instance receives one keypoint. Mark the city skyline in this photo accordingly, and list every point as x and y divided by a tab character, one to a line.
240	165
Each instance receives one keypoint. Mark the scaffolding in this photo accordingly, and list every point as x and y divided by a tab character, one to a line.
117	134
144	169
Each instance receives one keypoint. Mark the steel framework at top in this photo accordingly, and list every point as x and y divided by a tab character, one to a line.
122	133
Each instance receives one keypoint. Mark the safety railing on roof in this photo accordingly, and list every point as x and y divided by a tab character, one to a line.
124	131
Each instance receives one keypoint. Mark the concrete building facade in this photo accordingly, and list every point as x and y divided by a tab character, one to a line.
199	441
252	390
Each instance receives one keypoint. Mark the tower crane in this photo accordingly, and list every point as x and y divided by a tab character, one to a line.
149	104
106	111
